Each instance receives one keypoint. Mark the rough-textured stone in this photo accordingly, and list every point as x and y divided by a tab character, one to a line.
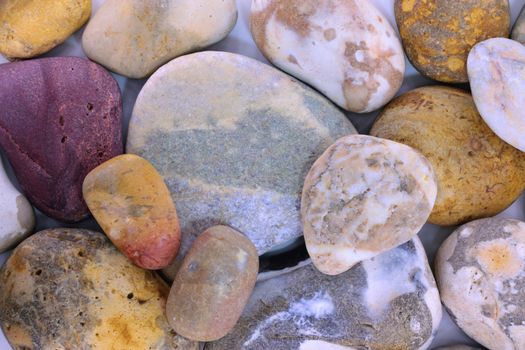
388	302
61	117
71	289
438	35
17	218
234	139
149	33
481	277
213	284
132	204
518	32
457	347
345	48
32	27
496	69
478	174
362	197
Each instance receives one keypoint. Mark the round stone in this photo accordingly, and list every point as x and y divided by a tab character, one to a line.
346	49
17	218
132	204
233	139
71	289
213	284
496	69
480	270
32	27
150	33
61	117
388	302
363	197
438	35
478	174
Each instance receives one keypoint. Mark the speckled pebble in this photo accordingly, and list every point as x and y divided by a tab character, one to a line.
480	270
61	117
17	218
438	34
496	69
363	197
233	139
388	302
213	284
346	49
71	289
149	33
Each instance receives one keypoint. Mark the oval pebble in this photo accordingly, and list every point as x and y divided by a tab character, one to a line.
213	284
480	271
17	218
150	33
438	35
132	204
71	289
30	28
346	49
61	117
496	69
478	174
241	158
363	197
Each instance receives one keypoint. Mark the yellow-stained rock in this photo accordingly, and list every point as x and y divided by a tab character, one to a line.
213	284
32	27
478	174
132	204
71	289
438	35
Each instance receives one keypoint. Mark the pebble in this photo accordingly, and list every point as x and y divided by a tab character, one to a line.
33	27
457	347
480	274
438	35
151	33
346	49
17	218
71	289
61	117
496	69
233	139
132	204
363	197
388	302
518	32
213	284
478	174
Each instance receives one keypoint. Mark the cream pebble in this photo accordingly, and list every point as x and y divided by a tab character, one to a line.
496	69
362	197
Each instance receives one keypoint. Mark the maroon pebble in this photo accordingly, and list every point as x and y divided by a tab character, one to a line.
60	118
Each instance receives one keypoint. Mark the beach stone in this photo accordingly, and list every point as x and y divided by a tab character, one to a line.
213	284
233	139
363	197
388	302
438	35
32	27
150	33
518	32
496	69
346	49
17	218
478	174
72	289
481	276
132	204
61	117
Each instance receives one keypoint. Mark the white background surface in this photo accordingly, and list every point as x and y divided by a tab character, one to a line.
240	41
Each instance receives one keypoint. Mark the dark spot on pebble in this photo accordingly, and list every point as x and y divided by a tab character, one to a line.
64	139
61	120
130	296
192	267
38	272
89	107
